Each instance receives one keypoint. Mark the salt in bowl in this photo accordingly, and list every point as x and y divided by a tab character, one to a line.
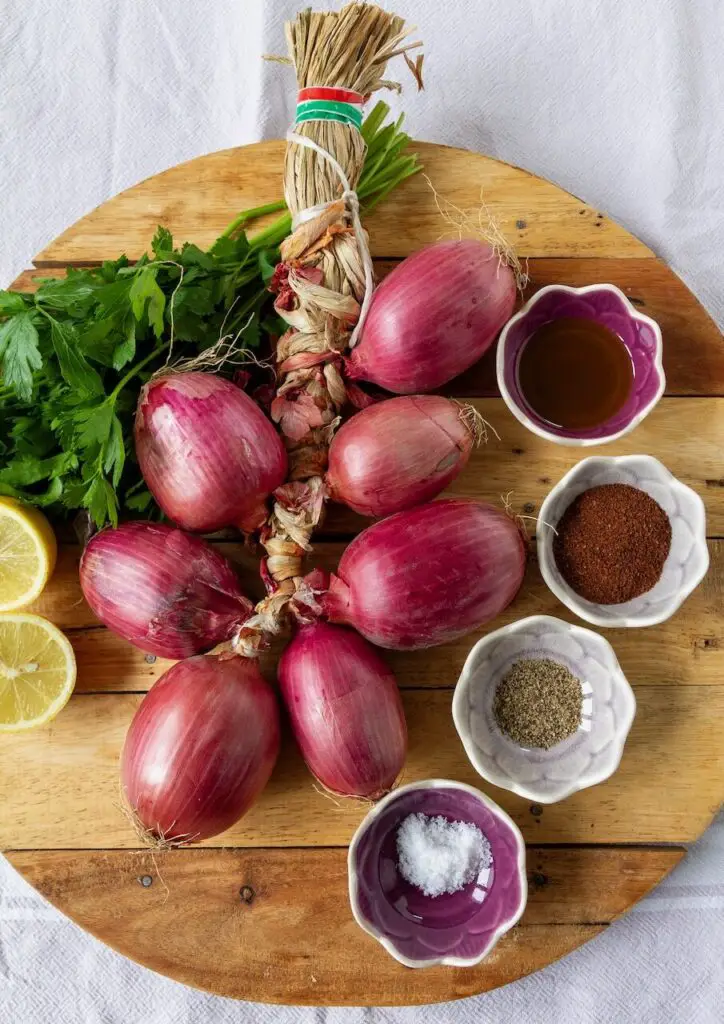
456	929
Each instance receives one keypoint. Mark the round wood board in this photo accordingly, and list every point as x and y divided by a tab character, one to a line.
261	912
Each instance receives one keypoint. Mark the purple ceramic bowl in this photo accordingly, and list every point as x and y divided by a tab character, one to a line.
459	929
607	305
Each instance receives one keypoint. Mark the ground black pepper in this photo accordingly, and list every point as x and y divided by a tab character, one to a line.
611	543
538	703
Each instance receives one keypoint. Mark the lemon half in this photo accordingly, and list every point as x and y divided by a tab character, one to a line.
37	671
27	554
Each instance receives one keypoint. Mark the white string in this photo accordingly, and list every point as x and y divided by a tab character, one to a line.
310	213
352	199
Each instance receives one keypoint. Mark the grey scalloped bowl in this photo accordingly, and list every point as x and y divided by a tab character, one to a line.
688	558
607	305
457	929
591	755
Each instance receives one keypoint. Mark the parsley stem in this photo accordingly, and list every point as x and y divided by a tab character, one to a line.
136	369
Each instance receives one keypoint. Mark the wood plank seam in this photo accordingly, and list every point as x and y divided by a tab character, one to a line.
76	759
259	850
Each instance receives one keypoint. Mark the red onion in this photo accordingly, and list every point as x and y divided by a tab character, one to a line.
166	592
200	748
433	317
208	453
399	453
345	709
428	575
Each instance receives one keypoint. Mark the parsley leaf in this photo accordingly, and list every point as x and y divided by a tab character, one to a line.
20	354
50	496
93	423
25	470
11	302
126	350
114	451
140	502
100	500
266	267
192	256
162	243
76	371
75	353
74	292
147	297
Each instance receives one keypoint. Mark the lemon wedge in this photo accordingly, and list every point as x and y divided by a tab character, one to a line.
27	554
37	671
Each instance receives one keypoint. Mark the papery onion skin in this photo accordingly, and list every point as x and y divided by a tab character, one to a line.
397	454
428	575
345	709
200	748
207	452
434	316
163	590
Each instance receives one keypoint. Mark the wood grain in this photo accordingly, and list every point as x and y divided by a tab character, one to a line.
222	184
692	341
296	942
693	344
194	903
686	650
683	433
61	789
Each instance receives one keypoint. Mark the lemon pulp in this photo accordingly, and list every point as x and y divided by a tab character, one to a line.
37	671
27	553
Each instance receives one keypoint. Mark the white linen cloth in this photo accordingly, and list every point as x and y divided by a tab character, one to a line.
619	101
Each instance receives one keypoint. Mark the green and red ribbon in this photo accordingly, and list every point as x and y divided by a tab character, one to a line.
329	103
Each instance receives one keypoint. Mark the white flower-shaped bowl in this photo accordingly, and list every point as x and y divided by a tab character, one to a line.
688	558
457	929
590	755
604	304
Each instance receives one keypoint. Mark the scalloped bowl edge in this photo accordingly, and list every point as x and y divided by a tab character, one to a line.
569	598
385	941
583	781
520	414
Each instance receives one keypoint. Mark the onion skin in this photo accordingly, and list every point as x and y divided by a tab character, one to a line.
207	452
433	317
163	590
428	575
200	748
397	454
345	710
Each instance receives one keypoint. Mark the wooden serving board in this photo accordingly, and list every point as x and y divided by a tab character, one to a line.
261	912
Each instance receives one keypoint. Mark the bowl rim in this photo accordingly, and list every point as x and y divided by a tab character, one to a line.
353	880
587	778
567	596
522	416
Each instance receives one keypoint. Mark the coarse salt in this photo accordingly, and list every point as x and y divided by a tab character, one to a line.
440	856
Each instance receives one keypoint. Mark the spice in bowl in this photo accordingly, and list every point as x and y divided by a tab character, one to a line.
440	856
538	703
611	543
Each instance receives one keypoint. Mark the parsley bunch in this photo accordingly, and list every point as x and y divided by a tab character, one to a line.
75	353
